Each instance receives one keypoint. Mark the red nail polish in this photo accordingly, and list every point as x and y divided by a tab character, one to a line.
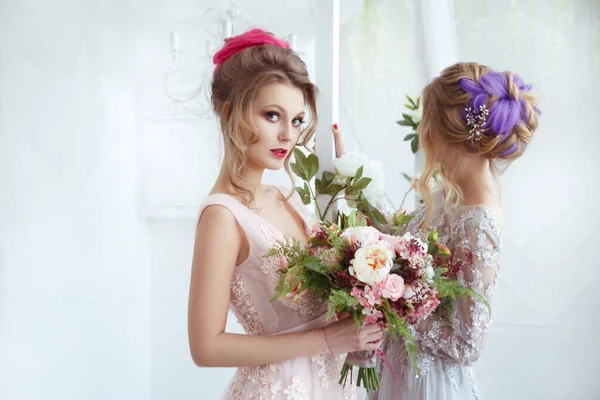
335	126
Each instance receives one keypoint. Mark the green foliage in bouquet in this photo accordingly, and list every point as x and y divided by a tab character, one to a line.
307	167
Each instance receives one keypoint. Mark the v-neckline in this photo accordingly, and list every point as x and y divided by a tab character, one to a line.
276	229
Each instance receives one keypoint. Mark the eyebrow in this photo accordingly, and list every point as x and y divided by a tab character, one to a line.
282	110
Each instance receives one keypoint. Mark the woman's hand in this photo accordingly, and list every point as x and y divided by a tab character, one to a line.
340	147
342	336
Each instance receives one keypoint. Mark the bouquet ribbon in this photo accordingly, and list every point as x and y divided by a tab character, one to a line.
381	354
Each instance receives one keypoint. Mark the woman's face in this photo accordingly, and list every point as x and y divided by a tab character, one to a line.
278	114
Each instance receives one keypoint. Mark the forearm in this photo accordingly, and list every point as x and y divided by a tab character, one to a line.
238	350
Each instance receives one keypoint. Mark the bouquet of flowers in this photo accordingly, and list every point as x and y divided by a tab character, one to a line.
373	276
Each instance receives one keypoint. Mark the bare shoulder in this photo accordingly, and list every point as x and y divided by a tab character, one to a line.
218	231
216	215
217	223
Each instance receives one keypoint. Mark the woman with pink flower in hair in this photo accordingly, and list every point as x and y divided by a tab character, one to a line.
261	93
475	123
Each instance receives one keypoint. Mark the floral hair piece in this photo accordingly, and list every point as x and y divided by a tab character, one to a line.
476	120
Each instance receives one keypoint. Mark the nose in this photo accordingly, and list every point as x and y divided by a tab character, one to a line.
286	132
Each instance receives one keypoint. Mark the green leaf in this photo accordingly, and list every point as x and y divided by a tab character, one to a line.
332	189
410	136
358	174
300	167
352	192
304	193
318	185
313	264
327	178
414	145
403	220
404	123
312	166
301	192
296	169
299	155
340	300
379	216
352	219
408	118
361	184
418	101
449	288
407	177
433	236
307	191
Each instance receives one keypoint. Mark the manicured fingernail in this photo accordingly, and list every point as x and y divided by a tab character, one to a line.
335	126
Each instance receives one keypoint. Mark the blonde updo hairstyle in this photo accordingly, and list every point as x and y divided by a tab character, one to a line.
455	104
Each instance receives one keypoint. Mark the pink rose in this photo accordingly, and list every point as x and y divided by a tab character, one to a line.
393	242
392	287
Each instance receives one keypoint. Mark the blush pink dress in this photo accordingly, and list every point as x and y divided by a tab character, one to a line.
252	286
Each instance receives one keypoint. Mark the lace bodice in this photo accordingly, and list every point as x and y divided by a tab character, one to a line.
473	233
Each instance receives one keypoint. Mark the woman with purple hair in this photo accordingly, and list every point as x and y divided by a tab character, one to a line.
475	123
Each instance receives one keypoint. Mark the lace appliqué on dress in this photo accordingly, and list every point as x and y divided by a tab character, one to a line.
243	307
263	385
261	381
474	386
329	367
297	391
475	232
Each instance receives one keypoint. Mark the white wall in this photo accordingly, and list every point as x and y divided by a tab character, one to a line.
75	280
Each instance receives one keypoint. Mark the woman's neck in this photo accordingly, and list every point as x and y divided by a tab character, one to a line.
477	182
252	181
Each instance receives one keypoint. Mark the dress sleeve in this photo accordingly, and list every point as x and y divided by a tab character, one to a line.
477	245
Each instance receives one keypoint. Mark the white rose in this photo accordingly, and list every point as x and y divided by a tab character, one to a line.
349	163
376	189
372	264
365	235
344	208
